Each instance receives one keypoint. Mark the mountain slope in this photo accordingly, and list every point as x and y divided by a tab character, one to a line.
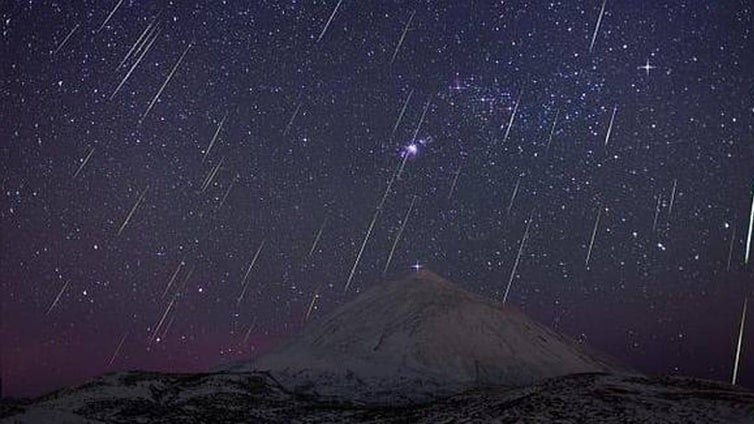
418	337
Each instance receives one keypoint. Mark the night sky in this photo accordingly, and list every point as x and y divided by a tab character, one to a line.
127	241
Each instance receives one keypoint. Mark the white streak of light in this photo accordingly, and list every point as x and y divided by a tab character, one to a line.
740	340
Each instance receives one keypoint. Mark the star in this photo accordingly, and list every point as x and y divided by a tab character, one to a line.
457	85
647	67
417	266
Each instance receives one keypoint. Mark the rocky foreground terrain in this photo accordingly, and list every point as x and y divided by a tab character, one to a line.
248	397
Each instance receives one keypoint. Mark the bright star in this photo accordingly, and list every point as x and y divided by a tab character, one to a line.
647	67
417	266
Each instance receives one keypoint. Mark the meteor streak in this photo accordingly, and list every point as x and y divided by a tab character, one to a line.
316	239
513	116
597	27
374	219
413	149
214	137
403	35
57	298
164	84
552	130
361	250
248	332
159	324
212	174
513	196
172	279
594	235
738	345
730	249
455	180
133	209
83	164
138	60
311	306
117	349
751	225
421	120
391	181
243	282
185	280
139	42
672	197
65	40
327	25
610	127
403	110
518	256
398	236
290	121
112	12
406	155
167	327
151	33
657	212
227	192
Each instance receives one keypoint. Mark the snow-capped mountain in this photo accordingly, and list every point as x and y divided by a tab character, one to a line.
418	337
417	350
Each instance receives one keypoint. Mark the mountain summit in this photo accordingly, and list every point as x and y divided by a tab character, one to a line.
419	337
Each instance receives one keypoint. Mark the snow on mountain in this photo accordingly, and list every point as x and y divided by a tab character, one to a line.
139	397
402	352
419	337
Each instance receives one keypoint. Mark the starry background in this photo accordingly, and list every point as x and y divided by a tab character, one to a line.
307	141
